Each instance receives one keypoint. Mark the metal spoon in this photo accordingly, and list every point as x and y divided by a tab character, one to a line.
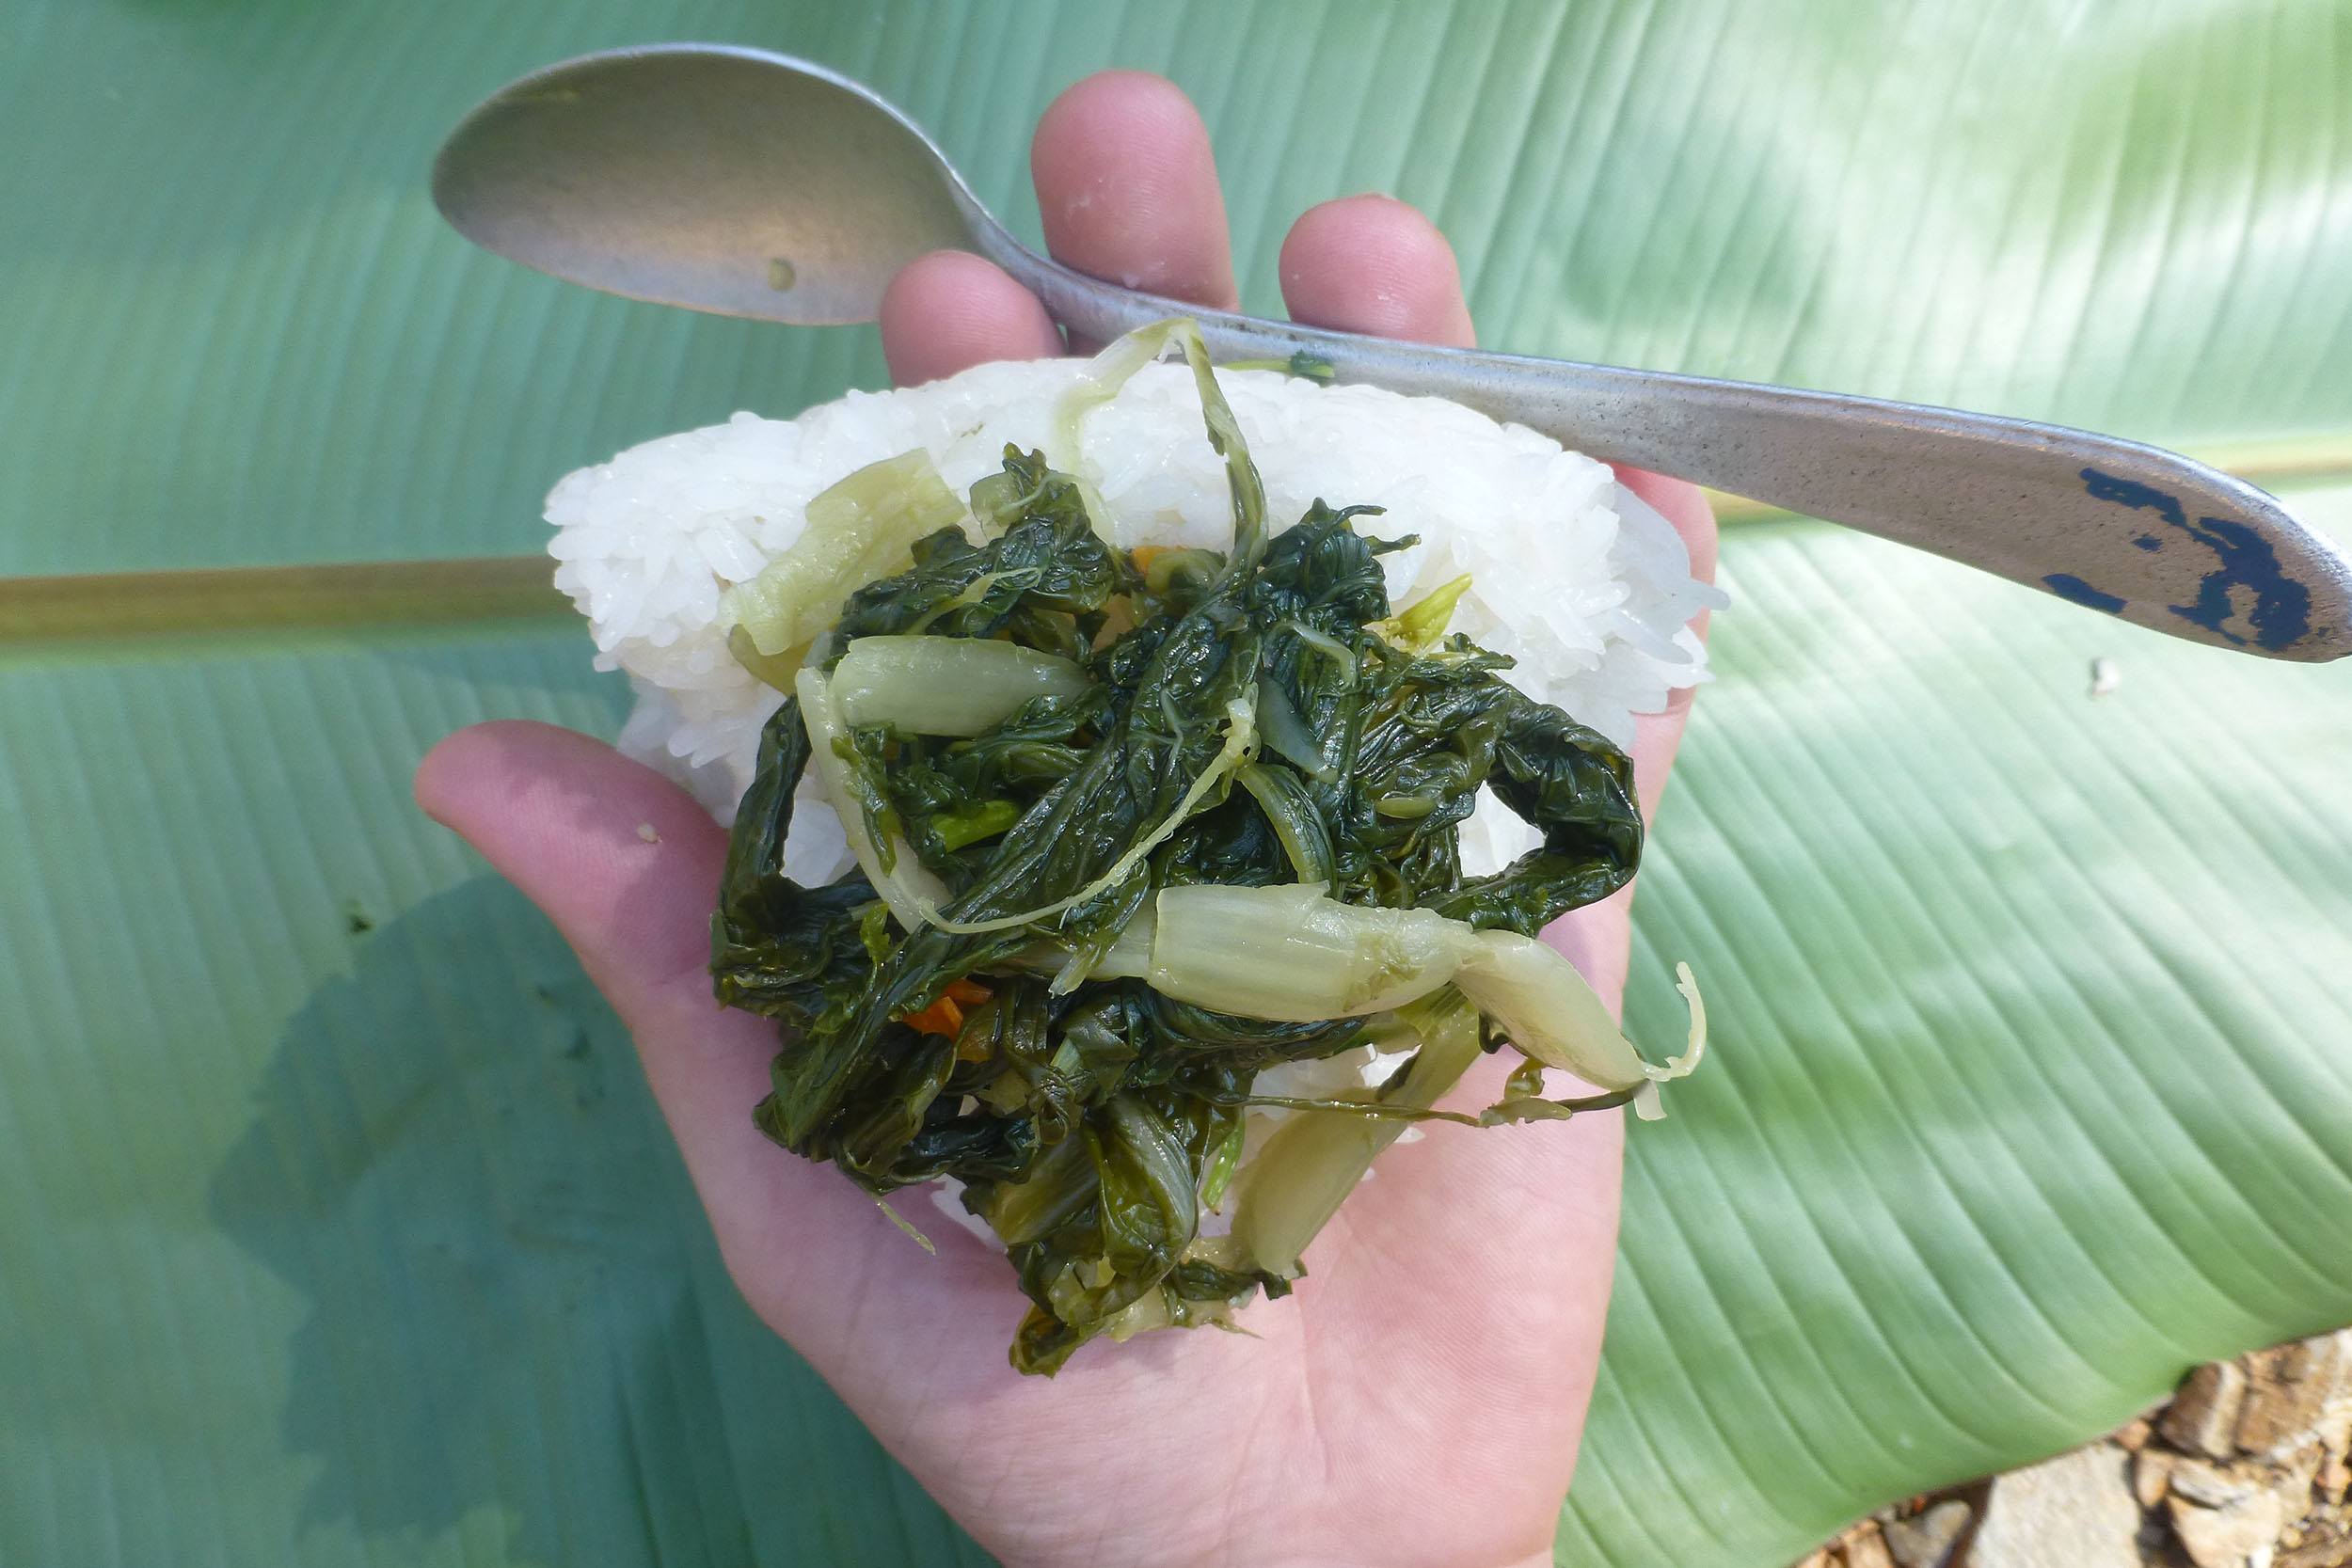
749	184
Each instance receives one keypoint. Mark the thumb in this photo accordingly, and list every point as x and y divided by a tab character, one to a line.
627	865
620	859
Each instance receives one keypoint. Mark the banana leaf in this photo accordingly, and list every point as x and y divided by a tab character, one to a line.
339	1226
2035	1090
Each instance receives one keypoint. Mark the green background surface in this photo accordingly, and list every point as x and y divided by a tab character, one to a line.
338	1228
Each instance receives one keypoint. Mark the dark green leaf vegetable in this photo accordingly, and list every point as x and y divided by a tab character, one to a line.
1132	828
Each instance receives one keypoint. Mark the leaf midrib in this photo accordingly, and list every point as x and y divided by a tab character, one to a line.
132	606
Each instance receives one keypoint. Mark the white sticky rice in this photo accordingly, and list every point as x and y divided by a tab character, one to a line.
1571	575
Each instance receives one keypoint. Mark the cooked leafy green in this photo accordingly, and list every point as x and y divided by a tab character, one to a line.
999	994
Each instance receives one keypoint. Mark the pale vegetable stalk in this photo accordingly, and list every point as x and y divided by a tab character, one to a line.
1110	369
1553	1016
953	686
861	528
1289	1191
912	892
1295	954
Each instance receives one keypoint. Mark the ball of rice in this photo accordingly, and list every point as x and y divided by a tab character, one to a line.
1587	588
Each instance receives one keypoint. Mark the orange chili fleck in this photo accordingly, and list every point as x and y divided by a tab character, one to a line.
942	1017
968	991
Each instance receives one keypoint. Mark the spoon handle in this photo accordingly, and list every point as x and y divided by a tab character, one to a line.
2152	537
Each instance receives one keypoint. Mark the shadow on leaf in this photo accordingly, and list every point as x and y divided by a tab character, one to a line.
518	1326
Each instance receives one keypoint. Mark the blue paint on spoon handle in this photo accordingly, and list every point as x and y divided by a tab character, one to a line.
2247	585
2075	590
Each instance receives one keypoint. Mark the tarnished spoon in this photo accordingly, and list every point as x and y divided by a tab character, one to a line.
754	184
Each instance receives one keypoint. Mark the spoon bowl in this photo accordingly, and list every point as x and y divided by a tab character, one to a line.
748	184
702	176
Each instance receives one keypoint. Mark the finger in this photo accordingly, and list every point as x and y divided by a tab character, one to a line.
565	819
950	311
1127	188
1658	737
1684	505
1374	264
621	859
1599	938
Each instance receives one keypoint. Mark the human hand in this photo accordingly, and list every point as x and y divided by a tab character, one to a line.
1418	1400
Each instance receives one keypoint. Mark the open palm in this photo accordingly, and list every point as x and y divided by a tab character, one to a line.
1418	1400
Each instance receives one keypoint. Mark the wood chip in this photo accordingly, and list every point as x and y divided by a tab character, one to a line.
1865	1549
2325	1543
2335	1481
2288	1392
1929	1539
2210	1486
2072	1511
2227	1537
2205	1414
